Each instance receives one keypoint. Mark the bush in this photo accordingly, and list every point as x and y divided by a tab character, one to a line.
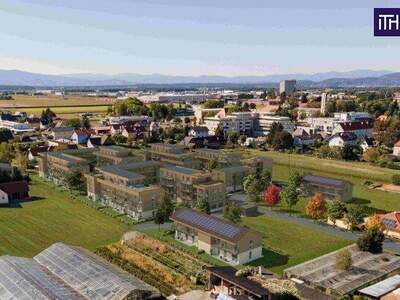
343	260
396	179
371	241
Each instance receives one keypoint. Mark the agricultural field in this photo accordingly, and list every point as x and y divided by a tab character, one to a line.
54	215
52	101
67	107
355	172
287	244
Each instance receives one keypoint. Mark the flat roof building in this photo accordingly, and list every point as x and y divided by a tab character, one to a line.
331	188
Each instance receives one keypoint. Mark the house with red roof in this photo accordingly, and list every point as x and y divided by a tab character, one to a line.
391	222
14	192
396	148
362	128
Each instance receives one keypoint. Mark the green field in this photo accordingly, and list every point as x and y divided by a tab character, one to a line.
355	172
288	244
67	109
54	216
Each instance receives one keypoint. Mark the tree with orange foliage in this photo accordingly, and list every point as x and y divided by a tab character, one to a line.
271	195
316	206
374	222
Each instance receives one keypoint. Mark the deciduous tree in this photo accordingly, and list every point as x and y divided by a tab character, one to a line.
316	206
232	212
271	195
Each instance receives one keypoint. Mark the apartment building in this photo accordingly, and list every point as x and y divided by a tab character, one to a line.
114	155
223	158
287	86
125	191
331	188
226	241
258	124
54	165
171	154
264	121
190	185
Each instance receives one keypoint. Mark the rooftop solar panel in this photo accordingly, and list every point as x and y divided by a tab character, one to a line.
209	223
389	224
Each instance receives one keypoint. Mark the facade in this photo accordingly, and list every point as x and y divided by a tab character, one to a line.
287	86
343	139
331	188
63	133
258	124
190	185
198	132
171	154
114	155
124	191
362	129
54	165
396	148
226	241
13	192
265	120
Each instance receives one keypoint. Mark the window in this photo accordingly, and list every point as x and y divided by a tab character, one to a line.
250	255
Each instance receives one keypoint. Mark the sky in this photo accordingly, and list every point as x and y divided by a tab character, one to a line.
194	37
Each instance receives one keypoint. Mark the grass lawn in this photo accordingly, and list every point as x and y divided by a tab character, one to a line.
356	172
54	216
163	235
289	244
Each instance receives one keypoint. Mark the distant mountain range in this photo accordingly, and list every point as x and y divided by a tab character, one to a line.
357	78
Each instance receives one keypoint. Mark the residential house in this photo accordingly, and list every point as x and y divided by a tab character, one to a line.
362	129
95	141
366	144
226	241
391	221
80	136
396	148
331	188
198	132
33	152
63	133
13	192
343	139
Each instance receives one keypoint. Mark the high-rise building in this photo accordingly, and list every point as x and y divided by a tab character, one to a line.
324	99
287	86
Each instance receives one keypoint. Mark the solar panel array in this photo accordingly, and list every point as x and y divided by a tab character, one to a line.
389	224
209	223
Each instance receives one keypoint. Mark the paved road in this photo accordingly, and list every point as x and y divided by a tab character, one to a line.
389	245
